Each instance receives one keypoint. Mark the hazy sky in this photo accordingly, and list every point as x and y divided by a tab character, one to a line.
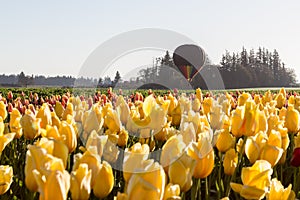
56	37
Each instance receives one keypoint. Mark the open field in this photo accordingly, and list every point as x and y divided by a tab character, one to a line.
149	144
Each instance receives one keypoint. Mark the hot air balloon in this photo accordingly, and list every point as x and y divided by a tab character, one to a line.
189	59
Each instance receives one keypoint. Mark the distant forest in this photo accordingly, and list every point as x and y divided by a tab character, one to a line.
261	68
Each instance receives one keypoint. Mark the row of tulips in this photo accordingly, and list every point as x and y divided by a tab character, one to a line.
155	147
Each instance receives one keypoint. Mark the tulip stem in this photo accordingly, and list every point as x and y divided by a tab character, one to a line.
221	187
206	189
198	193
196	189
237	166
281	177
295	184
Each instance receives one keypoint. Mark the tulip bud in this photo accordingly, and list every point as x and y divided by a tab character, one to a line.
295	160
172	191
68	134
52	184
45	115
3	112
277	190
30	125
230	162
6	178
104	180
91	159
292	119
81	183
225	141
10	95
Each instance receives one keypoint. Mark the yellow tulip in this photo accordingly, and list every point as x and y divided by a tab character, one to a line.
5	139
36	159
52	184
123	137
111	151
2	126
273	123
226	106
199	95
69	136
272	154
55	120
133	158
282	113
123	109
3	112
277	190
292	119
112	121
59	109
55	148
206	105
188	133
185	103
121	196
243	98
297	103
267	97
216	116
78	115
248	127
184	165
44	114
237	121
280	100
172	150
68	111
257	99
173	103
14	123
104	180
172	191
196	105
252	149
98	141
156	112
203	153
92	120
225	141
256	180
297	140
282	91
30	125
81	183
239	146
263	147
90	158
291	100
230	162
261	123
176	115
148	183
52	133
6	178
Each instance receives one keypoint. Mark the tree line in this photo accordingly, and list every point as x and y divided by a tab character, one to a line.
247	69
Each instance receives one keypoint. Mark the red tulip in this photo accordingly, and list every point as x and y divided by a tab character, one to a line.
295	161
10	95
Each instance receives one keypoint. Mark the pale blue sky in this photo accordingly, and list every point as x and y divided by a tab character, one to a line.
55	37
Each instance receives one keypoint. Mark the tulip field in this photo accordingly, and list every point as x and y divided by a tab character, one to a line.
164	145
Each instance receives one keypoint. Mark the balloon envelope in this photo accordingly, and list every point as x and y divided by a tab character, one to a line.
189	59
